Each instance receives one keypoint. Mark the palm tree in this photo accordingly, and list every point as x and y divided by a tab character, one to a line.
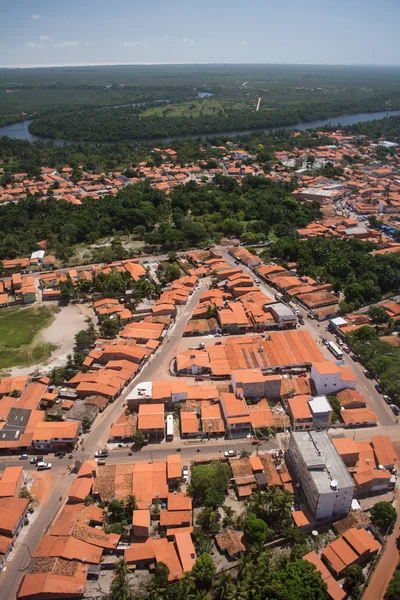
258	502
130	504
223	587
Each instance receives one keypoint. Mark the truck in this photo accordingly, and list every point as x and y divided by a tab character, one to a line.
170	428
335	350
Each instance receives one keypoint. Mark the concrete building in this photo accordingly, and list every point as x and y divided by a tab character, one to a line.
283	315
330	378
324	479
251	383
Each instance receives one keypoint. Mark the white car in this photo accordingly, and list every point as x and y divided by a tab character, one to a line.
229	453
101	454
23	457
41	466
217	334
257	280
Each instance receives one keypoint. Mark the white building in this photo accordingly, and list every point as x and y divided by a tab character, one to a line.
330	378
321	473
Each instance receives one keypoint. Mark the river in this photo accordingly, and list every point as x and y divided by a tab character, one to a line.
20	131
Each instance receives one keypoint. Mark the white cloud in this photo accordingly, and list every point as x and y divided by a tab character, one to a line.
69	44
35	17
243	43
188	41
88	43
44	38
135	44
35	45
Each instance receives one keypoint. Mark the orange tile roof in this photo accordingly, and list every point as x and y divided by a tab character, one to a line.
358	415
173	518
189	422
50	585
179	501
165	552
186	551
299	407
334	589
68	548
340	555
151	416
384	450
174	469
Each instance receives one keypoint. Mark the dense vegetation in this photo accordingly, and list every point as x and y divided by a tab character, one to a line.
67	102
189	216
380	358
347	264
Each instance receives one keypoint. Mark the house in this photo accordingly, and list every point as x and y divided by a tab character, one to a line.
354	547
359	417
385	454
10	482
189	423
347	450
151	420
335	592
141	523
52	435
174	469
192	362
307	412
325	482
230	542
253	384
12	514
236	414
350	398
330	378
186	550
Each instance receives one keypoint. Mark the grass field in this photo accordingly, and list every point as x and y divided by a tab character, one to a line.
20	345
195	108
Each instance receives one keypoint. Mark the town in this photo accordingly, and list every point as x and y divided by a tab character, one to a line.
211	402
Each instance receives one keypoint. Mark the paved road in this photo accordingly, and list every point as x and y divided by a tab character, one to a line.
93	441
317	330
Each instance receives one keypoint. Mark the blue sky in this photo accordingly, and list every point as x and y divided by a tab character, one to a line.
44	32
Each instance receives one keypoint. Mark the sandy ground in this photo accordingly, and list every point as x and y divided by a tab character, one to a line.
42	486
61	333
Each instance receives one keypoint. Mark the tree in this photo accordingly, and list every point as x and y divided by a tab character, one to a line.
298	580
171	272
354	577
120	588
208	478
161	574
85	338
138	439
204	571
383	515
109	328
257	531
393	590
378	315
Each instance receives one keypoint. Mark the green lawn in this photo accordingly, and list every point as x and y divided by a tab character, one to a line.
18	330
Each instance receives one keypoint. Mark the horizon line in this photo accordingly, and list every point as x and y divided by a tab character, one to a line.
116	64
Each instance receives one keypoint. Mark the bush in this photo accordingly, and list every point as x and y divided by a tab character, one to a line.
257	531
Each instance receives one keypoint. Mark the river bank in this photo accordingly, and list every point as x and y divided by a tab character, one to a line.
20	131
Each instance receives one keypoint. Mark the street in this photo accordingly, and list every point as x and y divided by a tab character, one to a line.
317	330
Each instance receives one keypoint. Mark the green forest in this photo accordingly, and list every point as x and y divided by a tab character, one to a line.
346	264
155	101
190	216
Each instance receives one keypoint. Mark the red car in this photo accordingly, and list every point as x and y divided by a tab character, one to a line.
256	442
218	343
302	375
198	378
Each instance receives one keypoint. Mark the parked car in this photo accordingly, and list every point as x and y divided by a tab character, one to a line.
42	466
101	461
256	442
367	374
310	316
185	470
60	454
354	357
379	388
395	409
36	459
218	343
387	399
257	281
23	457
229	453
303	374
339	341
217	334
301	320
346	349
199	378
101	454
